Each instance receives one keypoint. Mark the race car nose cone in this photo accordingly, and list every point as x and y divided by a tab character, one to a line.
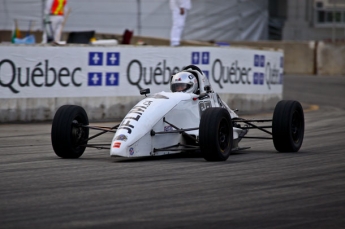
118	148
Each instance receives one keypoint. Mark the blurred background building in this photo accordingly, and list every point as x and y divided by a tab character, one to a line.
216	20
312	19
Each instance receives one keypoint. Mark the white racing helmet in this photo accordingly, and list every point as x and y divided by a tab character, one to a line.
184	82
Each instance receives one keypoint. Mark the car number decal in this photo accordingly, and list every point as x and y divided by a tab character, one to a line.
203	105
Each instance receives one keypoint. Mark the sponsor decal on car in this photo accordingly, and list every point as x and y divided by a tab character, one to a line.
131	151
203	105
121	137
117	145
137	111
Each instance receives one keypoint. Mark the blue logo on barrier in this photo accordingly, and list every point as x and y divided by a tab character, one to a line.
262	61
261	78
94	78
259	60
205	58
256	61
258	78
206	73
113	58
95	58
281	62
200	57
112	79
195	57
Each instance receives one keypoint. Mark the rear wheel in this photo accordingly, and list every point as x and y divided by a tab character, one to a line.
288	126
67	135
215	134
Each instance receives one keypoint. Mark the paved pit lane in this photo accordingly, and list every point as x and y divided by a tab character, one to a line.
256	188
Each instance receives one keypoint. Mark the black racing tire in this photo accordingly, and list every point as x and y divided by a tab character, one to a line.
215	134
67	136
288	126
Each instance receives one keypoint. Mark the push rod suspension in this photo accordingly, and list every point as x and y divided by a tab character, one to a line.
182	130
255	126
104	130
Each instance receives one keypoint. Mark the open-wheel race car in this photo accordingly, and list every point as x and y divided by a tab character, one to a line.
192	117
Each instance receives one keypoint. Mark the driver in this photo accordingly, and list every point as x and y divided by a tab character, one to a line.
184	82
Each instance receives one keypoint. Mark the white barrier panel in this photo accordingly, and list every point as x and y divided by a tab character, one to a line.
79	71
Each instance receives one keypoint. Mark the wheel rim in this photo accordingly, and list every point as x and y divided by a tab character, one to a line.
77	133
223	135
296	126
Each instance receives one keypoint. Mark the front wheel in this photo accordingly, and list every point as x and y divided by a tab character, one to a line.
288	126
215	134
67	135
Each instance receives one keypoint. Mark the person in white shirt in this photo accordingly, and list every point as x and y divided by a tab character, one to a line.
54	13
179	10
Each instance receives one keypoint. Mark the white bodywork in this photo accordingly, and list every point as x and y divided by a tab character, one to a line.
183	110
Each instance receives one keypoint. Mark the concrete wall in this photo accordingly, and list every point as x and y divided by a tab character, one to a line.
303	57
330	59
299	57
112	108
43	109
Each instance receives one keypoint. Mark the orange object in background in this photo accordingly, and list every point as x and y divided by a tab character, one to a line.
58	7
16	32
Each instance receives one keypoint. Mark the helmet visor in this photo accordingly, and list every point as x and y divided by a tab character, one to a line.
177	87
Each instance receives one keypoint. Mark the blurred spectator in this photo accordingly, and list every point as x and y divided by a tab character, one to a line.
54	14
179	10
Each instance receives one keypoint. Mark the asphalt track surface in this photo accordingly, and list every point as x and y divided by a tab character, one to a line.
256	188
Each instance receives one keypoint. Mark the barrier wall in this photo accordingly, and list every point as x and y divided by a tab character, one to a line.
36	80
303	57
299	57
330	59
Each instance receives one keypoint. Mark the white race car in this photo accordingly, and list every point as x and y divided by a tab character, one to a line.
190	118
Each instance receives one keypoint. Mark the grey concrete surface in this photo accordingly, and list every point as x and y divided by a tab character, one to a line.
325	91
111	108
256	188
